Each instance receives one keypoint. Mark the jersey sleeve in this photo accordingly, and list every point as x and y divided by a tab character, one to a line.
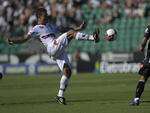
147	32
33	32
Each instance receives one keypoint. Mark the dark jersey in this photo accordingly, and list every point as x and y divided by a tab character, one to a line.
145	71
147	32
147	52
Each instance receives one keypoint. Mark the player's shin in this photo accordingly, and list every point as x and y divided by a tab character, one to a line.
82	36
140	88
63	85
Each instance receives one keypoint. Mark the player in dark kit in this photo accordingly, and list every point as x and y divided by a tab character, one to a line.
1	75
144	71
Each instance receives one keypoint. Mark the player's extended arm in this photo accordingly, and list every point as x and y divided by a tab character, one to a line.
143	43
65	29
22	40
80	27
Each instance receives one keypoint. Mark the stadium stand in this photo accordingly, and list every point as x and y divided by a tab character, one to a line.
130	31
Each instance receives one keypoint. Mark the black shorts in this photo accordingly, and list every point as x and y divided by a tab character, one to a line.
145	72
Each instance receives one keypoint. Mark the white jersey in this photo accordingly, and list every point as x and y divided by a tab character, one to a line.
46	32
55	46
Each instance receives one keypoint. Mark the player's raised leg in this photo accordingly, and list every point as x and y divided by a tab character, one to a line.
62	41
72	34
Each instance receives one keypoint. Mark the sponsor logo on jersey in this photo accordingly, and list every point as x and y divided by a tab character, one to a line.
41	27
56	42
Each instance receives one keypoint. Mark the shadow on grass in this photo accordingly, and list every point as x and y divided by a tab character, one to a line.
81	100
43	102
145	101
102	101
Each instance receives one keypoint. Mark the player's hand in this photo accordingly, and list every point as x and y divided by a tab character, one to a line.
80	27
141	49
10	42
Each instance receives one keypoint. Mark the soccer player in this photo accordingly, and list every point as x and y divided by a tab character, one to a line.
56	45
1	75
144	68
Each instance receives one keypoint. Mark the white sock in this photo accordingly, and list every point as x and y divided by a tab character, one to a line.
63	85
136	99
141	80
60	93
82	36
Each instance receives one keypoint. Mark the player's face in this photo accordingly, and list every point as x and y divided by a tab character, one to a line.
43	17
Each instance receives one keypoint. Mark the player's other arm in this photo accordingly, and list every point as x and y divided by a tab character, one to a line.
82	26
64	29
18	41
145	39
143	43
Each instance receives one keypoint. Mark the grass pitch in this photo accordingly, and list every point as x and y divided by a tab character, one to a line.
87	93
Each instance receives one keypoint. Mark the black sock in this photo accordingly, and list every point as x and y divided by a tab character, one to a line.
140	89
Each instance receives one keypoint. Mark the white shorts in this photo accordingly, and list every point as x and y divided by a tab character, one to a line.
56	50
57	46
63	59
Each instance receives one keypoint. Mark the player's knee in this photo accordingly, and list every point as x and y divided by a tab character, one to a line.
143	78
71	34
67	71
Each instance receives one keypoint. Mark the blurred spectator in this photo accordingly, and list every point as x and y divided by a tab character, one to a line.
75	59
3	25
78	15
77	3
107	4
76	55
134	8
94	3
9	14
108	17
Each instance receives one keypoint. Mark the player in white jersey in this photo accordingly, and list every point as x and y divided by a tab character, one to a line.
55	45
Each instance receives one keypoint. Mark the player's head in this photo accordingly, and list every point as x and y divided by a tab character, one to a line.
41	15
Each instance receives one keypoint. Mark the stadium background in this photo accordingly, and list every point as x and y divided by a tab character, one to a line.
128	17
109	92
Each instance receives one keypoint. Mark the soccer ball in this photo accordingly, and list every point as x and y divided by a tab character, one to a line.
111	35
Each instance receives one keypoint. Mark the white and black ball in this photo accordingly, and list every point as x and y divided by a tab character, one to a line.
111	34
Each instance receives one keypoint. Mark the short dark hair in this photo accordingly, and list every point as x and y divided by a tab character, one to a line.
39	11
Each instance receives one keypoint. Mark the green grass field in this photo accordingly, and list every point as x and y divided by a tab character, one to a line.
87	93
